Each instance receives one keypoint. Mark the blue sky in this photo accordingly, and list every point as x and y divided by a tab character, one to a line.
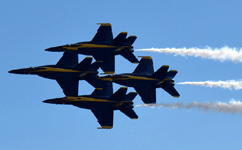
28	27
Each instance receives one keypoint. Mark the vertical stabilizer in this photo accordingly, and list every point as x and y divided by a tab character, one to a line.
120	39
104	34
161	72
130	40
120	94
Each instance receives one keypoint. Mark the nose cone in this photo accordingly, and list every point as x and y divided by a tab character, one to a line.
54	101
56	49
20	71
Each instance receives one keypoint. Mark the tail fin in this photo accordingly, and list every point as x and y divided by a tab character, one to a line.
171	74
120	39
69	59
84	65
130	96
130	40
104	34
130	113
120	94
145	66
161	72
130	57
105	89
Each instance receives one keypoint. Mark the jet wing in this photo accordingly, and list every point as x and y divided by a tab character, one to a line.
145	66
104	116
130	57
147	93
69	86
130	113
171	90
69	59
104	34
107	62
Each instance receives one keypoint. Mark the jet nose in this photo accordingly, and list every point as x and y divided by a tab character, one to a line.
54	101
55	49
50	101
19	71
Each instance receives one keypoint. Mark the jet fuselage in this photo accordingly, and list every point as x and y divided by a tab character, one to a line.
132	80
87	48
90	102
53	72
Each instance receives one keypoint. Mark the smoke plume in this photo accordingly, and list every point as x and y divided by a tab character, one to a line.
234	107
230	84
222	54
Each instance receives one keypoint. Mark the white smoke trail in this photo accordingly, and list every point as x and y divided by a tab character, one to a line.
230	84
222	54
233	106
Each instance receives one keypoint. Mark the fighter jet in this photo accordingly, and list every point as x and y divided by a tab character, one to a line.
102	103
67	72
145	81
103	47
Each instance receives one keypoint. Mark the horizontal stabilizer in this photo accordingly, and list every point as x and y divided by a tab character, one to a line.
130	40
104	34
130	113
171	90
130	96
120	39
105	88
119	95
130	57
145	66
161	72
171	74
84	65
69	59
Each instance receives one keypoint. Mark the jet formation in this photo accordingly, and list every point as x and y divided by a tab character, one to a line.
102	102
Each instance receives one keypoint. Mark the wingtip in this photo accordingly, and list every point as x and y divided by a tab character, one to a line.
104	24
105	127
145	57
176	96
134	118
123	88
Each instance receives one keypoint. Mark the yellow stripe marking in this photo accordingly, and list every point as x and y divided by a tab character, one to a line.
104	24
173	71
51	69
109	72
145	57
106	127
135	78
